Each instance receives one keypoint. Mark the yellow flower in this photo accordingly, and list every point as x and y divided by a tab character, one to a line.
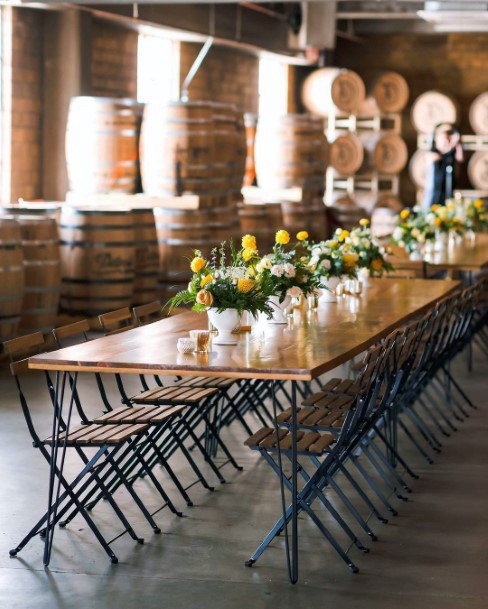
376	264
205	280
451	206
437	222
434	207
478	203
343	235
197	264
364	222
245	285
249	242
349	261
404	214
282	237
302	235
333	243
205	298
248	253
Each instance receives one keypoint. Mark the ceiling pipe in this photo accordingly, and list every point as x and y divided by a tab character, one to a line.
194	69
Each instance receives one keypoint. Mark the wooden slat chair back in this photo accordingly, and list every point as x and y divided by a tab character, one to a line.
117	321
147	313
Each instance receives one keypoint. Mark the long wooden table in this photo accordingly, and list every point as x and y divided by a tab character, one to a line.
464	256
310	345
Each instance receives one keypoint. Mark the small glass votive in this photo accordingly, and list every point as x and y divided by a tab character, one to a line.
202	340
313	301
186	345
355	287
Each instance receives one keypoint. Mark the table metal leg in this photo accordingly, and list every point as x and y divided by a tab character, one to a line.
294	485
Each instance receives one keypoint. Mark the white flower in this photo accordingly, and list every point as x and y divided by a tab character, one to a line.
277	270
314	260
366	243
289	270
294	292
397	233
415	233
430	218
216	274
421	238
266	262
416	209
401	243
325	264
354	240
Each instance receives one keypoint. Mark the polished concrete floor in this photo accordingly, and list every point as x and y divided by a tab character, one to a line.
433	555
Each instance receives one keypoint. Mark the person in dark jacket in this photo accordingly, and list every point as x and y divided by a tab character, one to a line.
446	151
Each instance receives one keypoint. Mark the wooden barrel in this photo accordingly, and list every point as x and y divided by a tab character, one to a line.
417	168
478	170
178	152
346	154
290	150
383	215
102	144
179	232
42	270
262	221
308	215
146	256
478	114
230	147
97	259
48	209
384	151
250	123
343	211
387	90
333	91
12	273
432	108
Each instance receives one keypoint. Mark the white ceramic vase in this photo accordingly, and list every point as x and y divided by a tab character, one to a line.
278	309
365	277
225	322
328	293
441	240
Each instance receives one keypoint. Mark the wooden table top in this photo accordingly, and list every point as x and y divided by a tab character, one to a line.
312	343
465	256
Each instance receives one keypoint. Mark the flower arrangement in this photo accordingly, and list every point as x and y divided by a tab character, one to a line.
224	284
413	228
473	212
283	272
335	257
371	255
449	218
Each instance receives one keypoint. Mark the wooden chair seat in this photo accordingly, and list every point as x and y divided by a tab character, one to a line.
329	401
151	415
337	385
311	442
98	435
171	394
307	416
196	381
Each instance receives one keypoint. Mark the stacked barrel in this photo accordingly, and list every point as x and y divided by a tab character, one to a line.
198	148
363	129
290	151
30	263
434	107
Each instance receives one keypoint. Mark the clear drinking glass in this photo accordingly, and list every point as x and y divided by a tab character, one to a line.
203	340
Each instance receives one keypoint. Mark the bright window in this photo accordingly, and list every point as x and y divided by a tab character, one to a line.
273	87
158	66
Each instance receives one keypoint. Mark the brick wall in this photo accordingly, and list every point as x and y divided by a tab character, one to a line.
455	63
113	60
26	96
226	75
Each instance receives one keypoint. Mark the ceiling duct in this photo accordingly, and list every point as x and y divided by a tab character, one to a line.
317	28
456	16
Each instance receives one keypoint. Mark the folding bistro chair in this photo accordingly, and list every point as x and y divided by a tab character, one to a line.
106	442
